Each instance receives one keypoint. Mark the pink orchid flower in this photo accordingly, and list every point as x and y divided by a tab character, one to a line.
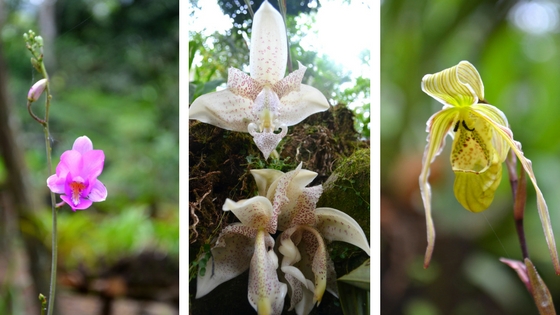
76	175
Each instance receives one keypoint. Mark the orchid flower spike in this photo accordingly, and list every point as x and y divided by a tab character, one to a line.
76	175
481	142
266	101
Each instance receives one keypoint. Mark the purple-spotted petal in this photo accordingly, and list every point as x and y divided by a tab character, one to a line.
231	256
336	225
298	105
82	144
266	293
243	85
98	192
223	109
255	212
269	45
267	141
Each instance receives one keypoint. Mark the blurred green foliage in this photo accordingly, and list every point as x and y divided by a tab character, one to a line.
514	46
115	79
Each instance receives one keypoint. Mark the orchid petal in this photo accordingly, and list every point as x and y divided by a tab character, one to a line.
231	256
498	117
223	109
290	83
303	213
475	191
437	127
93	161
459	86
243	85
83	144
98	192
301	297
70	162
82	204
336	225
506	134
269	46
266	141
266	293
255	212
56	184
298	105
264	178
472	149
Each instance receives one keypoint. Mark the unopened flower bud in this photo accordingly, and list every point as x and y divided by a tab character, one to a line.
36	90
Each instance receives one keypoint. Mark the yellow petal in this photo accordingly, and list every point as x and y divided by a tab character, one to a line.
438	126
459	86
475	191
507	135
500	145
472	147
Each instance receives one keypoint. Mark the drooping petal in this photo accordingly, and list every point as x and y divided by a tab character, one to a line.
476	191
83	144
336	225
223	109
298	105
231	256
506	134
301	290
98	192
437	127
255	212
243	85
266	293
460	85
264	178
290	83
269	45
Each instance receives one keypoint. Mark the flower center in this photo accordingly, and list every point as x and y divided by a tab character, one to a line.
77	189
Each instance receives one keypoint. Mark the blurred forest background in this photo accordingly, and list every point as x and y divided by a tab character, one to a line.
220	161
514	46
114	77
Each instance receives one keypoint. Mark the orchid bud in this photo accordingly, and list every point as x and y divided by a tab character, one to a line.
36	90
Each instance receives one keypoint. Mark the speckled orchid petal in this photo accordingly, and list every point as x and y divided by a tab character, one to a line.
290	83
223	109
267	141
239	83
301	290
336	225
298	105
266	293
269	45
255	212
313	256
231	256
304	210
264	178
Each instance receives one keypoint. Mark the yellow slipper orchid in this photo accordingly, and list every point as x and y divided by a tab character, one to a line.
481	142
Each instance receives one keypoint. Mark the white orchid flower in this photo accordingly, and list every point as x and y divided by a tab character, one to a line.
243	245
266	101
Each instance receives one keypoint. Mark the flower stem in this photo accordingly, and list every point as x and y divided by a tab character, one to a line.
519	190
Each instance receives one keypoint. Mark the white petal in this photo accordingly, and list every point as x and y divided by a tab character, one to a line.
223	109
266	294
243	85
290	83
264	178
336	225
269	46
230	257
298	105
255	212
266	141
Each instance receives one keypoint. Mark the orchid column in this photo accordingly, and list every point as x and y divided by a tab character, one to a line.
265	102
